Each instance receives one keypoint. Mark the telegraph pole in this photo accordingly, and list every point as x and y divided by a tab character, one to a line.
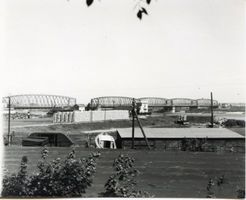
140	125
9	120
134	114
133	119
212	112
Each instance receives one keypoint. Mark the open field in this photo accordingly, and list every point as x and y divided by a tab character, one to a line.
17	123
44	124
155	120
23	128
239	130
163	174
195	117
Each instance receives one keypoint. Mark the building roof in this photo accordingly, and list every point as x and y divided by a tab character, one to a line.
171	133
99	131
81	105
103	137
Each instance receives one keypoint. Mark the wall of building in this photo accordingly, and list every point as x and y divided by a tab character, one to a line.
63	117
211	145
55	139
90	116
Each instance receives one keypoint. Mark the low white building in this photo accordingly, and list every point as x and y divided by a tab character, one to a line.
144	108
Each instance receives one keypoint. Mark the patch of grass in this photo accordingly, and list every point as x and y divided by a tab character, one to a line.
163	174
240	131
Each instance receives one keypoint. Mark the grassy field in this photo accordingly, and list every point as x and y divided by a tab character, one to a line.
163	174
15	123
239	130
23	128
45	124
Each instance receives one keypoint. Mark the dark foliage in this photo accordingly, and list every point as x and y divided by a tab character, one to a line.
148	1
144	11
68	178
234	123
141	12
241	193
122	183
193	144
89	2
16	184
210	192
216	184
141	9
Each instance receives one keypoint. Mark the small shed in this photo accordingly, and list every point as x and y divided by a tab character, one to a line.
89	137
47	138
105	141
195	139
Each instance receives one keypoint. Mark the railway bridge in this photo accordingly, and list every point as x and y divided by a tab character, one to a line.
38	101
119	102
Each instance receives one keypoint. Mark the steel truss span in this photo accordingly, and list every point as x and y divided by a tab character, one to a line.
111	102
178	102
155	101
118	102
38	101
185	102
206	102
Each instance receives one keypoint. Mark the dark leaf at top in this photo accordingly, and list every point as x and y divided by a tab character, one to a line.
144	11
89	2
148	1
139	14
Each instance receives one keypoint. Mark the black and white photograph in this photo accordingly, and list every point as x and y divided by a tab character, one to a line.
123	99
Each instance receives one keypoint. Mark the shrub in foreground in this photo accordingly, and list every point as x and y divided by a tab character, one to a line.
68	178
234	123
122	183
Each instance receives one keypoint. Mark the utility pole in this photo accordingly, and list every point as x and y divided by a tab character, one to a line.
9	104
141	127
133	119
134	114
212	112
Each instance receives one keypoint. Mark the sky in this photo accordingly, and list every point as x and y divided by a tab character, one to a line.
183	48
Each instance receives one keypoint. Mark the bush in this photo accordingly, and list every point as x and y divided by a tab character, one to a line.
193	144
68	178
122	183
241	194
16	184
234	123
214	185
